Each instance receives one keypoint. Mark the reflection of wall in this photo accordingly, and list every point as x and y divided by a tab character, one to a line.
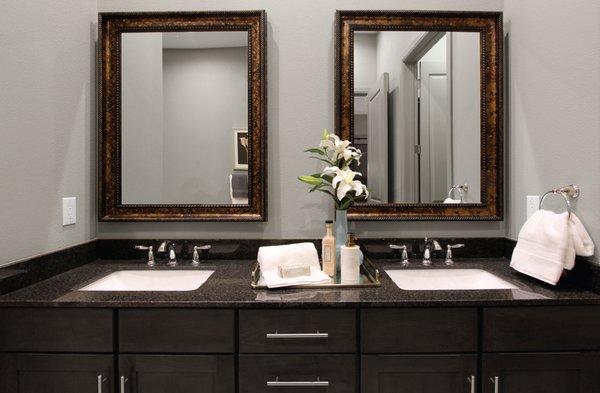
391	49
365	65
466	121
142	118
205	96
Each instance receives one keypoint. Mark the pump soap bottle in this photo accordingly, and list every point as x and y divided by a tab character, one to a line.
350	261
328	250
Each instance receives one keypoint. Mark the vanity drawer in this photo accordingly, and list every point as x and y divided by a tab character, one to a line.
297	373
562	328
176	331
419	330
56	330
297	331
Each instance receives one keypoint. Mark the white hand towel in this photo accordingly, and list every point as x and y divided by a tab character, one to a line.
271	257
543	246
450	200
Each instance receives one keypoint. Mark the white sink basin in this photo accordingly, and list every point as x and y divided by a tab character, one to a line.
150	280
446	279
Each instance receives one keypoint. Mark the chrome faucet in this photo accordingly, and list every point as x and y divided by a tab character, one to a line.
427	252
169	247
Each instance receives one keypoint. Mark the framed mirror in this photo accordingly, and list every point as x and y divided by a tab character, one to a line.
182	116
420	93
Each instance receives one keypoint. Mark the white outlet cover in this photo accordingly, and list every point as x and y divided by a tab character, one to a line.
69	210
533	204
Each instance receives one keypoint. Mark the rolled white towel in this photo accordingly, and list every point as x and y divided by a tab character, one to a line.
271	257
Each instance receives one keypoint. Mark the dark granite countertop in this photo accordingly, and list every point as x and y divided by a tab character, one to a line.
229	286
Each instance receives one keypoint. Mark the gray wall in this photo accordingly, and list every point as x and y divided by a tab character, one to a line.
553	105
47	124
301	96
206	95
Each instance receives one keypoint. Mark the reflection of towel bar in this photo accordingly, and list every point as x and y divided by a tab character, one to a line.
461	188
570	191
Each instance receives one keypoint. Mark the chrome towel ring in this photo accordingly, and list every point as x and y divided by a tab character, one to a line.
567	192
461	188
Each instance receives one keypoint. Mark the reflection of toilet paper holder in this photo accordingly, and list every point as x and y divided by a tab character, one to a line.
461	188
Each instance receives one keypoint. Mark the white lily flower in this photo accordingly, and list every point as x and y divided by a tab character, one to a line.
337	148
345	183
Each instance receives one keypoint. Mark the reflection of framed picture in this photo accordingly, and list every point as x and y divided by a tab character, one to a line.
240	144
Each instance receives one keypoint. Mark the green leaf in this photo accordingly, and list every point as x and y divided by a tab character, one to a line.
315	150
327	178
322	159
313	181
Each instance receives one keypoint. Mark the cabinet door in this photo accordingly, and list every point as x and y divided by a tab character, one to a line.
176	374
29	373
419	373
541	372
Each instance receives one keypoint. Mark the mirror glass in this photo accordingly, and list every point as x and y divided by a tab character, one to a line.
417	115
184	117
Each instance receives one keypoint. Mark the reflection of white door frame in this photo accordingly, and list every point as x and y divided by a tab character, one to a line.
434	132
377	139
411	59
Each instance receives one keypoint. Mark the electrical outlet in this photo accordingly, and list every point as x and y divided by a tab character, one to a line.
69	210
533	204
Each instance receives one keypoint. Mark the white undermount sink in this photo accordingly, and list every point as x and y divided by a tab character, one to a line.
446	279
150	280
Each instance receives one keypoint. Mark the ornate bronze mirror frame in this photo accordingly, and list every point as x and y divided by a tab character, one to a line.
111	27
489	25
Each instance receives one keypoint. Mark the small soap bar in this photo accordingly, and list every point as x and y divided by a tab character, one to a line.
294	269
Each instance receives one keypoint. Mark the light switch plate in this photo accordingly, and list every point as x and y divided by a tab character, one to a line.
69	210
533	204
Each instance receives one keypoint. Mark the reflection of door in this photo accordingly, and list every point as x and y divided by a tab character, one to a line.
377	139
434	132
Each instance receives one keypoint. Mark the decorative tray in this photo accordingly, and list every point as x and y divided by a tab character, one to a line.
369	277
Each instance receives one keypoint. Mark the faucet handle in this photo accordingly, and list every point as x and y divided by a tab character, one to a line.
405	261
449	248
150	253
196	255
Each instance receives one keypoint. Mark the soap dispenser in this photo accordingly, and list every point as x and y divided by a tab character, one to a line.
350	257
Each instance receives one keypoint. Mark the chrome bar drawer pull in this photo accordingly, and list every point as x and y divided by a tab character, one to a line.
471	379
297	335
297	384
496	381
101	380
123	380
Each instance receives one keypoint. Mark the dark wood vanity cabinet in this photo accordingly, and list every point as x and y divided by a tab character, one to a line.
368	350
541	372
56	373
419	373
177	373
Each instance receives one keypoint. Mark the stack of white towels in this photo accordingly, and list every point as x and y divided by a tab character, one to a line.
271	257
548	243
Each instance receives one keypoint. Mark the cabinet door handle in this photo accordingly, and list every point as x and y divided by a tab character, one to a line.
296	384
122	384
496	381
297	335
101	380
472	380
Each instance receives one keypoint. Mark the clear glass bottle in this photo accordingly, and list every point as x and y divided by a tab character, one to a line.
328	250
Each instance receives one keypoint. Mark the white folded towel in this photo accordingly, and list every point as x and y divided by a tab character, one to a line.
271	257
548	243
450	200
